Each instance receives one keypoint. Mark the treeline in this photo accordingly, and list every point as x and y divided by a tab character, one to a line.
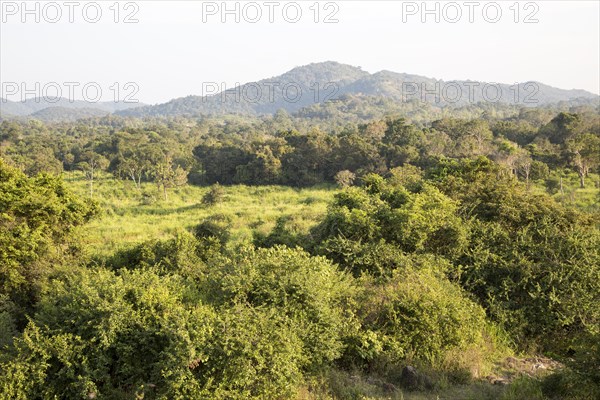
534	144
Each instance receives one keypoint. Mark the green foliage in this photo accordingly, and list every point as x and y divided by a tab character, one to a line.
425	221
532	262
37	219
417	312
309	291
374	258
183	254
288	231
407	175
448	243
216	229
213	196
258	353
98	334
272	315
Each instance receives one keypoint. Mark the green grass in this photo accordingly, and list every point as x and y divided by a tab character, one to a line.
587	199
131	216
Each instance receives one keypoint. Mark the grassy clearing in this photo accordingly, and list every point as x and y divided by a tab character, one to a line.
586	199
131	215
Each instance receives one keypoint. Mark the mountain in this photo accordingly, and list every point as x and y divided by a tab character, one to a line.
291	91
405	87
63	114
29	107
319	83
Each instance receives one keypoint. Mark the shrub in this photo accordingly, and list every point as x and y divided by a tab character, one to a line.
101	335
407	175
213	234
310	291
426	221
183	254
38	217
345	178
214	195
257	353
416	313
379	259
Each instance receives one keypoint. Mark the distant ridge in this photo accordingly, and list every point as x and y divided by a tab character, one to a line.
321	82
32	107
307	86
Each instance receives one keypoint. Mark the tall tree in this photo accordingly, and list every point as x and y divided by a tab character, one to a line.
91	163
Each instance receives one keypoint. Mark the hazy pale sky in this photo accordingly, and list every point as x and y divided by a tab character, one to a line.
176	46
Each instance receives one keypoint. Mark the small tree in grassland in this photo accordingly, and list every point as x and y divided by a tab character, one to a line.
90	163
167	175
214	195
584	151
345	178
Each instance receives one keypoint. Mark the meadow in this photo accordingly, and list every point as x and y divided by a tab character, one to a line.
131	215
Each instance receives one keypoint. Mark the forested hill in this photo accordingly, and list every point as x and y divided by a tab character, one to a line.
319	83
64	109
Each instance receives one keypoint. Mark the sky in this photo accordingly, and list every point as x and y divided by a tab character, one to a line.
169	49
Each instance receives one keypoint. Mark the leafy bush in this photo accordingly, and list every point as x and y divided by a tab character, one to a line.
309	291
416	313
37	218
213	233
425	221
257	353
182	254
97	334
214	195
375	258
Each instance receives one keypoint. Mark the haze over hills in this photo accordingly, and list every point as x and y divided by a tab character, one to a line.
321	82
306	86
40	108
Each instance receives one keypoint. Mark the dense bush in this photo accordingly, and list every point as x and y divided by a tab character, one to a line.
416	313
425	221
183	254
532	262
214	195
258	352
37	218
310	291
98	334
213	233
427	266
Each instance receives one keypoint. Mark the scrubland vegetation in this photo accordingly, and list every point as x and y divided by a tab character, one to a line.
268	258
